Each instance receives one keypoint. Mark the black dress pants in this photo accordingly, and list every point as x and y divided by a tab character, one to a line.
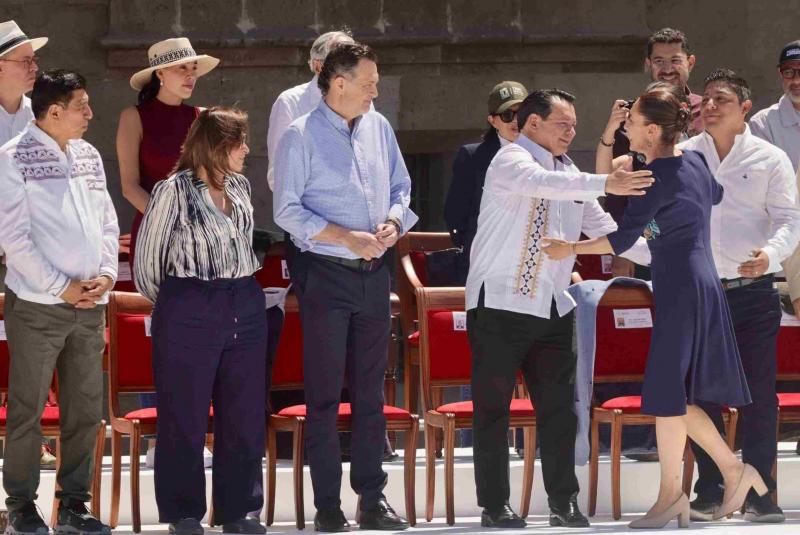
756	320
502	343
345	314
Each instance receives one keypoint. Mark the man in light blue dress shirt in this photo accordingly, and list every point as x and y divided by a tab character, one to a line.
344	198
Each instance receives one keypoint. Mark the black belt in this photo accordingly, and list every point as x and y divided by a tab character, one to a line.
358	264
741	282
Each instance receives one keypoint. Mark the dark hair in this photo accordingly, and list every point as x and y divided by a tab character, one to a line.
668	36
343	59
667	106
540	102
737	84
150	89
490	134
213	135
54	87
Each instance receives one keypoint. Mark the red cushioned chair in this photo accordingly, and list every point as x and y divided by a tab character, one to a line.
51	427
445	361
287	374
130	371
620	357
788	370
411	274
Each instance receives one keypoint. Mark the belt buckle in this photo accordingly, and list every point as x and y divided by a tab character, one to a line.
366	265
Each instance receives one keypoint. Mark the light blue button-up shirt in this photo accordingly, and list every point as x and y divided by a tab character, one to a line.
330	174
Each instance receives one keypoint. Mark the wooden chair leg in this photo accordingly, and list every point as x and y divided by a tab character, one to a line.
97	475
430	470
271	467
56	501
116	476
527	470
136	438
410	465
594	461
616	458
688	467
436	396
449	468
297	469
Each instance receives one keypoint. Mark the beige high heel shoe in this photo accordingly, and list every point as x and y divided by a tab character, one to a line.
679	509
735	499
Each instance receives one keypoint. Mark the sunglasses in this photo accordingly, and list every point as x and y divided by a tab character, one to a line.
507	116
789	73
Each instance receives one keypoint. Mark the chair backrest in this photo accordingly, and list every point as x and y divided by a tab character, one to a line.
622	345
274	272
789	353
5	357
411	272
130	349
445	355
287	368
594	267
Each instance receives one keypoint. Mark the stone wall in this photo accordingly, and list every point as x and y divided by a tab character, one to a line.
438	60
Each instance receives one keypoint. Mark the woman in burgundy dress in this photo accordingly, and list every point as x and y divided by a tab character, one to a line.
150	134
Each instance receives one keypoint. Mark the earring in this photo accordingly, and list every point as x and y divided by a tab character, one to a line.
161	83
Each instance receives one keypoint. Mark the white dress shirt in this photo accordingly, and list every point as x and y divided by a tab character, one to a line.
529	195
780	125
759	208
11	125
57	221
291	104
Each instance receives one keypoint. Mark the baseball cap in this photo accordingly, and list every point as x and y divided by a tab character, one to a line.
790	52
506	94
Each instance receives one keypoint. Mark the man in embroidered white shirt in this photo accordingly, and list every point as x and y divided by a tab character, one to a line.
59	230
753	229
518	316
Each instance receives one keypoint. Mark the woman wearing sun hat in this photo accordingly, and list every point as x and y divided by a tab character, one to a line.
150	136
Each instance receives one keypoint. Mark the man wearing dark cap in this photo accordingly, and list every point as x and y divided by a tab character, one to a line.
469	169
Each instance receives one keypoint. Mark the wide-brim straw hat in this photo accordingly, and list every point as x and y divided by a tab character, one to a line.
172	52
11	37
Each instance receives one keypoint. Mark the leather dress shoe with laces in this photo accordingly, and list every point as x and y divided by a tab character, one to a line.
567	514
761	509
382	517
501	517
330	521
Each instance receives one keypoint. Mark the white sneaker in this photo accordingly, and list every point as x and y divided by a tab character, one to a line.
150	458
208	458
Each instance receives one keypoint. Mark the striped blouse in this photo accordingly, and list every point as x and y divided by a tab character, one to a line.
183	234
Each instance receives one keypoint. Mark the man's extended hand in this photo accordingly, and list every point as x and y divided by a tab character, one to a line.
622	182
756	266
387	234
364	244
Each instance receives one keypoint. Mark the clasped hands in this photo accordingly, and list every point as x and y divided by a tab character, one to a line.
85	294
369	246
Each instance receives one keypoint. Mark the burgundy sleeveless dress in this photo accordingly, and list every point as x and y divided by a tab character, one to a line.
164	130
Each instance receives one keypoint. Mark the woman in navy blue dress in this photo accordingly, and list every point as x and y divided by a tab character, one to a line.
693	354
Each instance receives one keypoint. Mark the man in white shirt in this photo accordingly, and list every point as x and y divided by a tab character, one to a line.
59	230
753	229
300	99
518	316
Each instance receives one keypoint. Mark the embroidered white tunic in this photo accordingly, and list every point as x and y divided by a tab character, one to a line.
528	195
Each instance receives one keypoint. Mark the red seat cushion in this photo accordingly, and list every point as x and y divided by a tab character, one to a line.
345	412
789	402
625	404
150	415
413	339
50	416
463	409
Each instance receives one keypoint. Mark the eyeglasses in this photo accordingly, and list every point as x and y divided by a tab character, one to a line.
662	63
789	73
27	61
507	116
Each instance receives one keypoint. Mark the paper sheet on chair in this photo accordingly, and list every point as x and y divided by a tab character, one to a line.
633	318
276	297
2	330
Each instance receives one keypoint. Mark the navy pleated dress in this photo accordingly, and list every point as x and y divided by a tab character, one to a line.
693	355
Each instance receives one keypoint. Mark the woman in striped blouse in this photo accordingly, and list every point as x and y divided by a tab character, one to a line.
195	262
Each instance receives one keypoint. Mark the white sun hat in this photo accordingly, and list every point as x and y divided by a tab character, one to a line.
11	37
171	52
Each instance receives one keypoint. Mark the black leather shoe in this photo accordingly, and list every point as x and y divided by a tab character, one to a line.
501	517
248	525
761	509
330	521
382	517
703	508
567	514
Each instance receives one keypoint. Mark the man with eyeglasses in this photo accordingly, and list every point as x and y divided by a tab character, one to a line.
18	67
469	169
